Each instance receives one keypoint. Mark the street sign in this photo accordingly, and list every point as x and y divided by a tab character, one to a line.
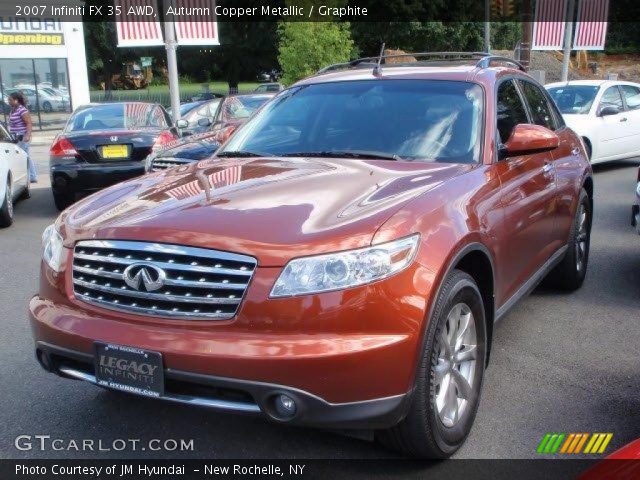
146	61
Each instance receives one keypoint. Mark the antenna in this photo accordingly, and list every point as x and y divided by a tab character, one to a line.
377	70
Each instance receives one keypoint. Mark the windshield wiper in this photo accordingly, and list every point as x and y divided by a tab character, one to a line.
346	154
242	153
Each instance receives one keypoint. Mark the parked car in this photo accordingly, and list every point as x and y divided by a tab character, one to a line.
103	144
342	261
191	113
635	209
204	96
14	176
269	87
46	102
604	113
232	112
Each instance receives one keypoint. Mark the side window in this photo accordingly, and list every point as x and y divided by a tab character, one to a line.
631	96
540	110
511	111
611	97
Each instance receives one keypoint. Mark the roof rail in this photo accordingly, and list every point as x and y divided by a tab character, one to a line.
484	60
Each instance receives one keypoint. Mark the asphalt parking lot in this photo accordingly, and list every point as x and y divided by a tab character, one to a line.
560	362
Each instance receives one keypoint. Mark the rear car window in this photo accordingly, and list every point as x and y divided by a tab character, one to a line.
116	116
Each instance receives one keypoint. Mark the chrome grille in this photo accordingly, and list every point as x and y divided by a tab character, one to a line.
197	283
163	163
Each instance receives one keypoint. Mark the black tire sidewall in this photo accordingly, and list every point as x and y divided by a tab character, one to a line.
463	290
6	218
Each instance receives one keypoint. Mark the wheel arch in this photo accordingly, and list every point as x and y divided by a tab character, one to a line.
588	145
476	260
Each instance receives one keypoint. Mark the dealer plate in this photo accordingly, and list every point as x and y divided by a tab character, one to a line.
114	151
129	369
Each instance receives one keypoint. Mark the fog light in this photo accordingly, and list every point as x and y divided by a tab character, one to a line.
285	405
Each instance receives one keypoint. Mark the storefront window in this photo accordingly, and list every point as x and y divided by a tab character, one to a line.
45	85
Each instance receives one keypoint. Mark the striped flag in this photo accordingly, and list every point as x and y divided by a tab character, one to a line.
195	22
135	27
549	23
591	29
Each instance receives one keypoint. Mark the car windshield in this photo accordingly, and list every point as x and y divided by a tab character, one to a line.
115	116
414	120
239	108
187	107
575	99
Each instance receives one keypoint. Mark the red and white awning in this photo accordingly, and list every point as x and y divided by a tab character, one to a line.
135	27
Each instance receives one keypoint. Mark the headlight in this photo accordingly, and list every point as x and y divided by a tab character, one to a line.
52	249
340	270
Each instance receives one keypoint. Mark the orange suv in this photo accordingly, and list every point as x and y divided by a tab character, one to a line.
340	262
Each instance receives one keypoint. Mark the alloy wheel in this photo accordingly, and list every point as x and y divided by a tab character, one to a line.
9	199
582	238
456	364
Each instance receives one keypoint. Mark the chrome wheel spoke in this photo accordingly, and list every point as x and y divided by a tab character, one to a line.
444	343
464	389
439	372
451	404
466	354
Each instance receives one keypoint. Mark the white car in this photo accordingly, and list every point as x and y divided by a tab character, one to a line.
605	113
14	176
47	102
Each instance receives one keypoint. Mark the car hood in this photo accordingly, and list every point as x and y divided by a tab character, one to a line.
273	209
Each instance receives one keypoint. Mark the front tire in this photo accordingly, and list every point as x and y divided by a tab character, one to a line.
449	376
46	106
6	210
570	273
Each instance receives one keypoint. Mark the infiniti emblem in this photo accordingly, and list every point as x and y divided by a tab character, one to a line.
114	138
144	275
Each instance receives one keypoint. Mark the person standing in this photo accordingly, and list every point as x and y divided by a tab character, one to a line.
20	126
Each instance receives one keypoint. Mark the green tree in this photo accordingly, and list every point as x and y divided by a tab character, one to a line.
306	47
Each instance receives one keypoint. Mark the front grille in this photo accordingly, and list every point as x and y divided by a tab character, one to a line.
162	163
196	283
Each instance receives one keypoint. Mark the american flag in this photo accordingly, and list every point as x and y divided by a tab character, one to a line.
549	23
198	25
136	114
591	29
136	29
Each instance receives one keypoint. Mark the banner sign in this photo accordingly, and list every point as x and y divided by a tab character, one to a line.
549	24
195	22
136	24
591	29
31	31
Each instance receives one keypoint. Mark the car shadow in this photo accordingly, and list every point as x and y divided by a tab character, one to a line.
40	205
615	165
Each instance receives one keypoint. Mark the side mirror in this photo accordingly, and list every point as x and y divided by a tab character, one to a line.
527	138
204	122
608	110
182	124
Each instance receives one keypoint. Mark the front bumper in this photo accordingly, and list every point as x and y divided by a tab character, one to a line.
84	176
242	396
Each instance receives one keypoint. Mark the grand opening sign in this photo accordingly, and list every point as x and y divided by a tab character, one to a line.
31	31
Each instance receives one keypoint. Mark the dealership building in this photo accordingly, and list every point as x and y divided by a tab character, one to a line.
45	59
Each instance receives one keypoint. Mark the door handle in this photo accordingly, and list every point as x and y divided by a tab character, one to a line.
6	151
623	119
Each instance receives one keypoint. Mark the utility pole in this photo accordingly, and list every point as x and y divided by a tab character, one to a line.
568	33
487	26
172	66
527	34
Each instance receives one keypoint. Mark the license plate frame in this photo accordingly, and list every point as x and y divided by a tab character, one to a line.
129	369
114	152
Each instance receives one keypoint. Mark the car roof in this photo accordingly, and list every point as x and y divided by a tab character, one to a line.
591	83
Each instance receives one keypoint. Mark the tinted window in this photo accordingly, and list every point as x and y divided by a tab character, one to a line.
421	120
576	99
238	108
611	97
631	96
116	116
511	111
538	105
